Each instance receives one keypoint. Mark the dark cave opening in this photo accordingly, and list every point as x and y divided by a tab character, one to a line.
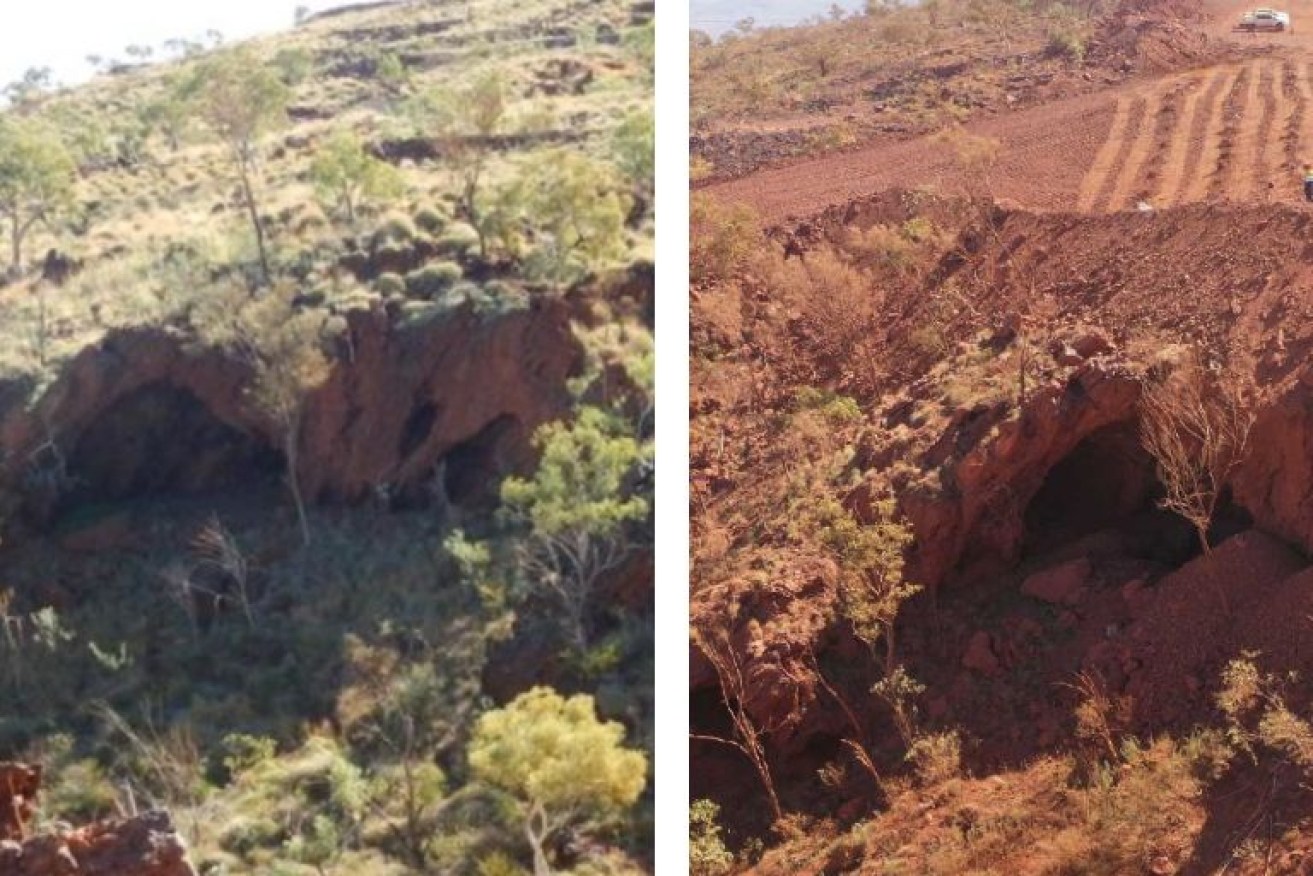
476	466
1105	482
419	425
162	439
724	774
1109	482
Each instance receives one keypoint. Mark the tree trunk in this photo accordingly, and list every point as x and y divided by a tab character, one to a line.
16	260
252	208
294	479
536	839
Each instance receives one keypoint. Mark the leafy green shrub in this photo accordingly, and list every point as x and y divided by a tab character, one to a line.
1065	42
579	212
722	238
395	228
576	508
937	757
294	65
282	798
457	240
837	407
433	280
243	752
431	219
391	71
499	864
81	792
502	297
558	762
347	177
635	152
707	855
389	285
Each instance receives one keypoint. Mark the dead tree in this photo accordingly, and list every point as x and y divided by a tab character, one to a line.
748	737
1195	423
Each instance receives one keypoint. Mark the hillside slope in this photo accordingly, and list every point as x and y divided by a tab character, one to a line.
320	352
950	611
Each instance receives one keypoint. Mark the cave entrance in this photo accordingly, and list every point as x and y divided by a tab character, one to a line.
1109	481
160	440
475	467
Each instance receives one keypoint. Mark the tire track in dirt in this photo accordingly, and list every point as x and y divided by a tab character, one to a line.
1296	110
1271	120
1167	131
1108	157
1136	120
1304	88
1141	146
1186	147
1211	125
1234	174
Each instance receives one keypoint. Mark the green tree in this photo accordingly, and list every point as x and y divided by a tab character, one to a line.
641	42
502	218
871	585
558	761
465	119
392	73
283	347
288	365
576	512
345	175
580	208
635	151
36	180
294	65
170	111
36	82
242	99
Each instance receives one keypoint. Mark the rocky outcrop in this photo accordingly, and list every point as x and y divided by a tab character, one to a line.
19	785
147	845
145	411
778	626
992	465
1275	482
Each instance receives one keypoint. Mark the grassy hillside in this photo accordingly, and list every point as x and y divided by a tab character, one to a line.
227	589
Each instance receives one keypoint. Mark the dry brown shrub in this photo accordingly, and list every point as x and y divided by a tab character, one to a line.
722	237
1102	718
835	309
1195	424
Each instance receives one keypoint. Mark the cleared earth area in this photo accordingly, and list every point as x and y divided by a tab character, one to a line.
1228	132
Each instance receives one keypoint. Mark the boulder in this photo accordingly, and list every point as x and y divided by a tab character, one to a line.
980	656
1060	585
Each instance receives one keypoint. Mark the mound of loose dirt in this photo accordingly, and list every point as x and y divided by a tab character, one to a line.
1156	36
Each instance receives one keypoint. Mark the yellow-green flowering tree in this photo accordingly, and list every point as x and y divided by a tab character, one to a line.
559	763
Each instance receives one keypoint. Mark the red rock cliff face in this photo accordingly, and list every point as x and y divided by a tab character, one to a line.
146	845
399	400
1275	482
991	471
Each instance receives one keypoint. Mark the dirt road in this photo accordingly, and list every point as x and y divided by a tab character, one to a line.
1237	132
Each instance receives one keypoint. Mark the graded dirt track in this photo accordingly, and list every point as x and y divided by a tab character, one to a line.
1235	132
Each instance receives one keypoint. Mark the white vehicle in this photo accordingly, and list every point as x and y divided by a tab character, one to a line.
1265	19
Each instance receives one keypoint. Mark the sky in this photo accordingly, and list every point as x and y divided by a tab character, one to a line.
717	16
61	33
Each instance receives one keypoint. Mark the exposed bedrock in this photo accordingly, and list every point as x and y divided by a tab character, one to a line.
145	412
